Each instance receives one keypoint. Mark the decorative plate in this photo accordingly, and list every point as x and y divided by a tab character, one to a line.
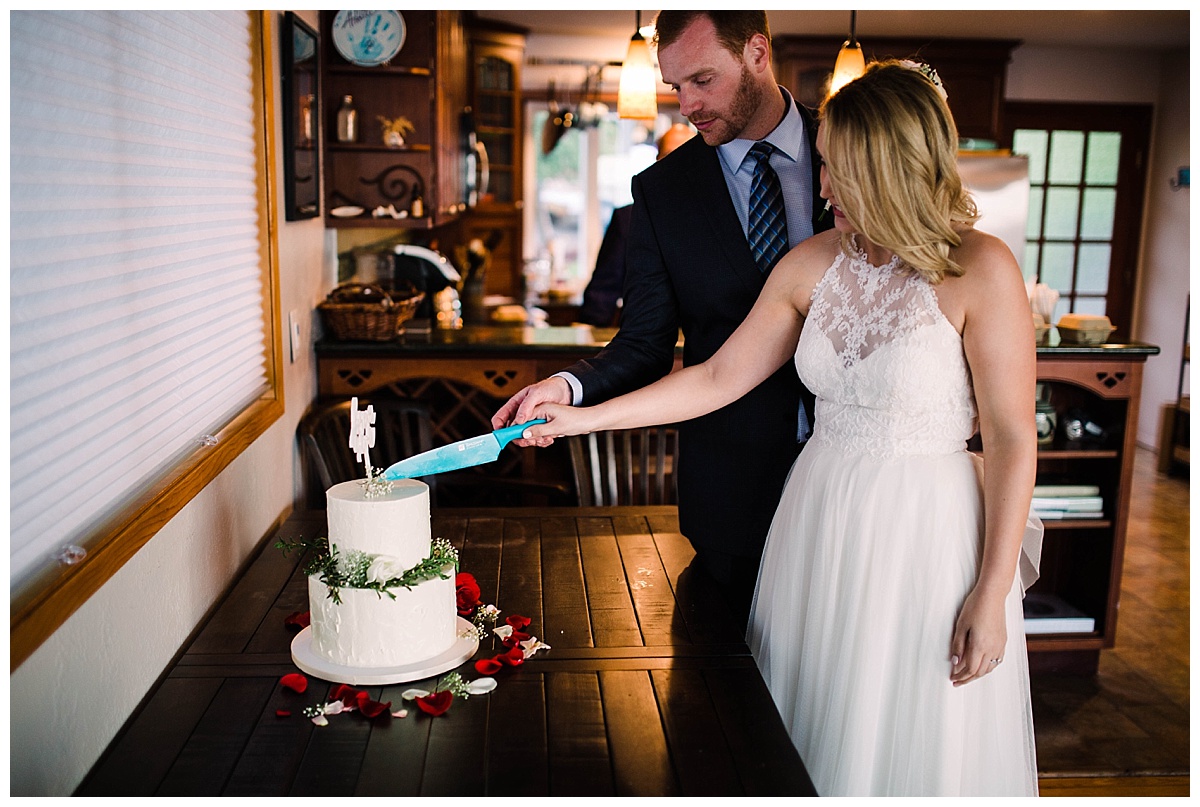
368	38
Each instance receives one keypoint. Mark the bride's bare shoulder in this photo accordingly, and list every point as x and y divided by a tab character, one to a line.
814	254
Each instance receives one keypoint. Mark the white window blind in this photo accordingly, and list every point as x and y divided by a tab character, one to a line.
136	290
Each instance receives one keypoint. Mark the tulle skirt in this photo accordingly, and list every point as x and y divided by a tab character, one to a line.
866	566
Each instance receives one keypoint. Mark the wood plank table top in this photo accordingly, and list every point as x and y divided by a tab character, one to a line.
648	688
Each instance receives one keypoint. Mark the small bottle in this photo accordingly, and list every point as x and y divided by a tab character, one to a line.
347	121
417	209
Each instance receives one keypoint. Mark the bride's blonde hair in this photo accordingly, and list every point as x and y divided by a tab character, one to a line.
891	149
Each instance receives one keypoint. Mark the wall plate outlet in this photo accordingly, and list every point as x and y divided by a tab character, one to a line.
294	330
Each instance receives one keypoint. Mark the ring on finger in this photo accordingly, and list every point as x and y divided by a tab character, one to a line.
995	661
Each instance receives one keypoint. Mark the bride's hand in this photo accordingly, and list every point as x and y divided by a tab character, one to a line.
980	636
560	421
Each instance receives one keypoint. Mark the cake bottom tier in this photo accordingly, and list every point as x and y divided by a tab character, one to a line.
370	629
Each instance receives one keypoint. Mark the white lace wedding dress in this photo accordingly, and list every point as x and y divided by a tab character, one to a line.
875	545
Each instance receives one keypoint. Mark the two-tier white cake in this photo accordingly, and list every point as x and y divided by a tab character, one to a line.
402	633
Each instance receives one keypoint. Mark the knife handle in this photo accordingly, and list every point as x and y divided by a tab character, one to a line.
509	433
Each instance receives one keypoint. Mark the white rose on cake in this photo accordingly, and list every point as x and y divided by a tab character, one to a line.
384	568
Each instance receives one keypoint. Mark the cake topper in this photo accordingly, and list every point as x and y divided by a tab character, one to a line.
362	440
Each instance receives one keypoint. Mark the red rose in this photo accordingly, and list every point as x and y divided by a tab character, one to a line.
466	593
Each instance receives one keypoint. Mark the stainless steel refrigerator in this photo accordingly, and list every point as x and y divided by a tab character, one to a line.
1000	185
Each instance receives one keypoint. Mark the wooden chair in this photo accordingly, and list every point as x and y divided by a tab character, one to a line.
634	466
402	429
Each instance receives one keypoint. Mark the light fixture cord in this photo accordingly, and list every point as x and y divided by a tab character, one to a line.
853	20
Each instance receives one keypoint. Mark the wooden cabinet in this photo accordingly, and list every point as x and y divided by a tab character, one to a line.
973	71
1082	558
496	56
426	83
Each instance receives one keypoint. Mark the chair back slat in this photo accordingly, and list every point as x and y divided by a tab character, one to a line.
625	467
402	429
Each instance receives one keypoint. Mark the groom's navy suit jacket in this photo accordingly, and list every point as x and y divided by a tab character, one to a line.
690	267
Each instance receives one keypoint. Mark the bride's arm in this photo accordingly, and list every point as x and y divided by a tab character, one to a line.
761	344
999	345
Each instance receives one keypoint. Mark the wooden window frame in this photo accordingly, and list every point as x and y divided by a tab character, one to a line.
41	605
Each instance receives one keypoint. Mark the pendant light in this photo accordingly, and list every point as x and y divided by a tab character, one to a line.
850	63
637	95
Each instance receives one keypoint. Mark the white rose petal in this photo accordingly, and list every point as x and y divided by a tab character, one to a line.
503	631
481	686
411	694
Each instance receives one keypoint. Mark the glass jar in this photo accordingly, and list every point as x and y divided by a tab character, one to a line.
347	121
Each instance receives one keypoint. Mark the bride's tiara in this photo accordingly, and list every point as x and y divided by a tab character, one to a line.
928	72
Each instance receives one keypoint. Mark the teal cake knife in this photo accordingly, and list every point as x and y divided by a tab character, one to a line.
463	454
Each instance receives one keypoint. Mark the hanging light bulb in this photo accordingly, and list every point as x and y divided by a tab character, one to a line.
850	63
637	95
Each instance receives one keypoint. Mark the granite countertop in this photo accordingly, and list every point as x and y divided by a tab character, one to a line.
576	339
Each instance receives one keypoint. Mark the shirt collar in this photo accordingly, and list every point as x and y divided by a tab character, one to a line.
788	137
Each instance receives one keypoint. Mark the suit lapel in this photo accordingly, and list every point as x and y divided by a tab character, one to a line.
708	182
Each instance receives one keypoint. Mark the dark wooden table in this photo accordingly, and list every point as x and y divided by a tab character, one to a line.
649	688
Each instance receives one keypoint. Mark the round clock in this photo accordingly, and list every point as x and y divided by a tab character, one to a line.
368	38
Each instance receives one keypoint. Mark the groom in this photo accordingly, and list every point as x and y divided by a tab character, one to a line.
691	266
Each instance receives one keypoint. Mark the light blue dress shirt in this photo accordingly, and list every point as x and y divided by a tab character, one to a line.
792	161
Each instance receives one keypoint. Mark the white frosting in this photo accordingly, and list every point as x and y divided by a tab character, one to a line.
370	629
395	524
367	628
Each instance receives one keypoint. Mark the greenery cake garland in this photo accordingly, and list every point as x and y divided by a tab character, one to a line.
350	570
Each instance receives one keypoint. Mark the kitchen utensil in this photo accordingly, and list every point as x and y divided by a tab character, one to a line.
463	454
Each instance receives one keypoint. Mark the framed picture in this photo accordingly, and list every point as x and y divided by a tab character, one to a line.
301	119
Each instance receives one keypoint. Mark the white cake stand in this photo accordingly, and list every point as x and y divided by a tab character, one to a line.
465	644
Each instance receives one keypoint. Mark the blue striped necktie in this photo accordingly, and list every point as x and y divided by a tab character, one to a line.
767	230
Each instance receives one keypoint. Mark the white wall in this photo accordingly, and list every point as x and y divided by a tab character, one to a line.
1164	279
69	699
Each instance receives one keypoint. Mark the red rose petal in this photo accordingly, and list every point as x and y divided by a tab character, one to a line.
518	622
371	708
513	658
347	694
295	682
298	619
515	638
282	713
487	666
437	703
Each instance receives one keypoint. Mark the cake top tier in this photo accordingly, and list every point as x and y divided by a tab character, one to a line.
355	491
394	524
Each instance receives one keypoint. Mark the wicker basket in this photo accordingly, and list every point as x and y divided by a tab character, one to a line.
354	312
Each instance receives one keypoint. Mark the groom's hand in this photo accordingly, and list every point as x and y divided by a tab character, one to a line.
520	407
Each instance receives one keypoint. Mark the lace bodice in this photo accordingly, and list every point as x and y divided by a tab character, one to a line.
886	365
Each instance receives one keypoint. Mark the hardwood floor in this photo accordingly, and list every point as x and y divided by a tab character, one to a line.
1125	731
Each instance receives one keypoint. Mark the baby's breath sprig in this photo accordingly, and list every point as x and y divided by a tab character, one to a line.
374	485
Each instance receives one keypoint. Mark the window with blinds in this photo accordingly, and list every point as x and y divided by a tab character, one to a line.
139	299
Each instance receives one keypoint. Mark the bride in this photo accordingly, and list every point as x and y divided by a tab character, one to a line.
887	617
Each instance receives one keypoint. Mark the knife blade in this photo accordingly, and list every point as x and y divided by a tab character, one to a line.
463	454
